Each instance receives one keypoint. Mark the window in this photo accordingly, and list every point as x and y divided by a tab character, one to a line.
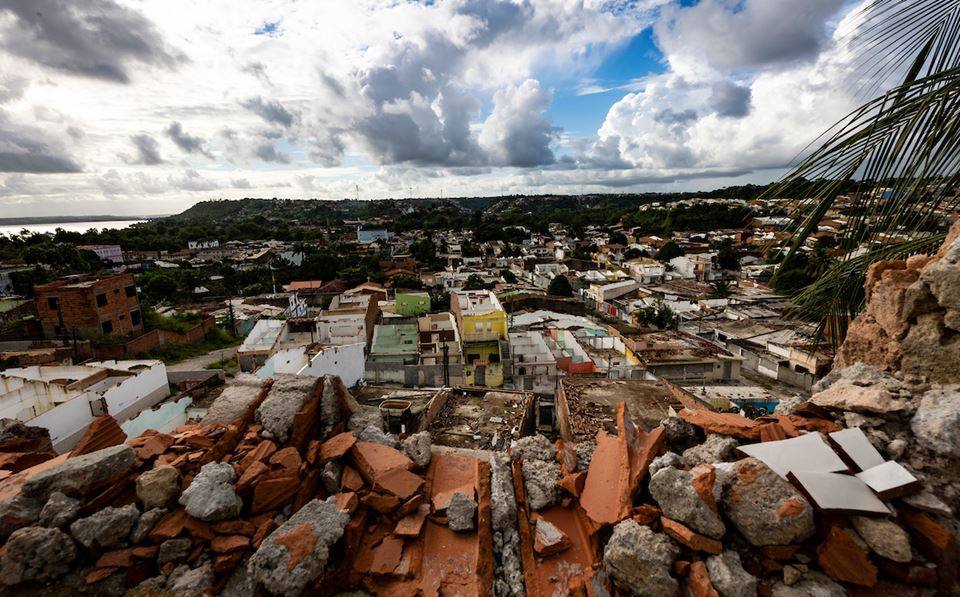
107	327
53	303
135	317
131	290
101	300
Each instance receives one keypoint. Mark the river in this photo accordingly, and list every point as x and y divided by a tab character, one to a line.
44	227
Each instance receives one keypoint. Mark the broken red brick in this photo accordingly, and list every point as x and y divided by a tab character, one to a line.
771	432
375	460
98	574
382	503
780	552
573	483
261	453
198	529
15	462
351	479
909	573
411	524
234	527
548	539
607	478
103	432
442	499
722	423
704	478
225	564
266	527
688	537
169	526
842	558
387	555
410	506
399	482
348	501
698	581
154	446
313	451
646	514
229	543
300	542
287	459
936	542
271	493
123	558
337	446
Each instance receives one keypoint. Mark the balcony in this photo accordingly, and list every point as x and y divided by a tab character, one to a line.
485	336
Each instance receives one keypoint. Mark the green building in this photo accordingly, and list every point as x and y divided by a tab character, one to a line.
395	342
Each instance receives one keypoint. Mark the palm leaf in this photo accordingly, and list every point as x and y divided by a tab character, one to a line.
905	141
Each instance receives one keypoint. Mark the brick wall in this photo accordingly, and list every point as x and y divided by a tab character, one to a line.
93	306
155	339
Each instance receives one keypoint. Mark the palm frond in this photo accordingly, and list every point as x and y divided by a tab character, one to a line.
896	157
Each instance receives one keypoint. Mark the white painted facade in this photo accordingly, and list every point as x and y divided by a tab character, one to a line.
346	361
65	399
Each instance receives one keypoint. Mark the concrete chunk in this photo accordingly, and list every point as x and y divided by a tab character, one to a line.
639	560
36	553
78	475
296	553
286	398
766	509
211	495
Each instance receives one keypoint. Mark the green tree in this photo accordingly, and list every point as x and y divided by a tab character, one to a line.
560	286
161	287
668	251
475	282
728	257
508	276
720	290
617	238
658	315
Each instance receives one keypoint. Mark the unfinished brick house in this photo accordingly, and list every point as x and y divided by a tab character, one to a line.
93	306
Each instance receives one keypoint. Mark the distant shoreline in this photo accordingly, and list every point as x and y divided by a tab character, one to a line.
32	220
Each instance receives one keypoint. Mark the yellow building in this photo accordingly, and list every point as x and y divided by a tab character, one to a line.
482	324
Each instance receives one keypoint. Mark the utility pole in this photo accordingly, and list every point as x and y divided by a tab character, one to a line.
446	365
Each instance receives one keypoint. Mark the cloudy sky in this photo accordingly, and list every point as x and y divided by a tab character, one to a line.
147	106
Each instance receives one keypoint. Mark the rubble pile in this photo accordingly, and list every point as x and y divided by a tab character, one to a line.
284	500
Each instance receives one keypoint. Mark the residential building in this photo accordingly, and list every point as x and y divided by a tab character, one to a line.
482	324
439	339
91	306
598	294
534	367
350	318
66	399
106	253
395	342
695	267
367	237
646	270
